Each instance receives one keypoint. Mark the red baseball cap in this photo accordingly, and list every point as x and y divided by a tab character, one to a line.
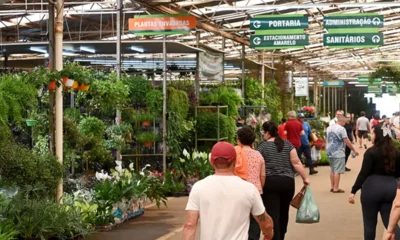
223	150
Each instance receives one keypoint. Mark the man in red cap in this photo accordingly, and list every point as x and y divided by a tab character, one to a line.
223	202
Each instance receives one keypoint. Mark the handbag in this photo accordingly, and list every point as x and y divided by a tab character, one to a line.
296	201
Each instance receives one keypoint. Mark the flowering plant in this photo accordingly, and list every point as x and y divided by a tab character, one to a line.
308	109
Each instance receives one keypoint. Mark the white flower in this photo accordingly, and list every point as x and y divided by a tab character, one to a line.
185	153
131	167
118	168
196	155
142	173
145	167
101	176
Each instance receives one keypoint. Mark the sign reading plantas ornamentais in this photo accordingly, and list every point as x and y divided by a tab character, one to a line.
278	41
278	22
354	40
161	24
340	21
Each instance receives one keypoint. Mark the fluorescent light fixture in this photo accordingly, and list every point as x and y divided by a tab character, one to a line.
38	49
137	49
353	71
86	49
69	54
353	82
361	85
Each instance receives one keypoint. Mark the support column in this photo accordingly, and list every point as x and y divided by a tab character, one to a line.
51	63
223	57
324	100
59	91
345	99
243	68
118	60
263	73
328	89
335	103
164	123
197	76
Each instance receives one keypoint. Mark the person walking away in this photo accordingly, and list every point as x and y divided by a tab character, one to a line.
392	229
223	202
305	144
363	128
339	113
353	123
375	120
281	162
281	129
254	171
293	130
337	139
349	130
377	181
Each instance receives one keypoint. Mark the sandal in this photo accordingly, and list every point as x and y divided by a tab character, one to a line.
338	191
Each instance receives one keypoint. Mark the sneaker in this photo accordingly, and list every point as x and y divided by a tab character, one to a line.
312	172
348	169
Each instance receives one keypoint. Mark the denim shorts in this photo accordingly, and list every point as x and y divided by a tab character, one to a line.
338	165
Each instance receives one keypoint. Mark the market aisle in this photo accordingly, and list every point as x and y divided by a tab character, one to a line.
339	219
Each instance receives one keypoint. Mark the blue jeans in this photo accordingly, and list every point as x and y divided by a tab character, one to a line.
306	149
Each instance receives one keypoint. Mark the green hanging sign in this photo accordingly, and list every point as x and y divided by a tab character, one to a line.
365	79
273	24
353	40
364	22
278	41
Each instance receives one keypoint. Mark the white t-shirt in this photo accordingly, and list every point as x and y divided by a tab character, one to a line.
362	124
225	204
333	121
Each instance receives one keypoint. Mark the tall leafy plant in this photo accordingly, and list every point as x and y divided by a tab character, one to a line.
138	87
223	96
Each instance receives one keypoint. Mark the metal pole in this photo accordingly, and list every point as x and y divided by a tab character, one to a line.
223	58
345	99
118	59
329	100
243	56
51	62
197	77
58	43
335	103
165	104
263	73
324	106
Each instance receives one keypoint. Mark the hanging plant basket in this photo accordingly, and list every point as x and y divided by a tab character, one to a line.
69	82
148	144
146	123
65	79
52	85
30	122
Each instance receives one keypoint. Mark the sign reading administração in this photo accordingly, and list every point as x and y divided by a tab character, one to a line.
340	21
278	22
161	24
278	41
354	40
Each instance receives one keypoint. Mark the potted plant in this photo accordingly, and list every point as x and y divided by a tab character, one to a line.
147	138
145	118
85	80
67	74
54	78
154	100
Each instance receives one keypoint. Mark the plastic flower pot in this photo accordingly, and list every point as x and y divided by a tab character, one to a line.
52	85
148	144
83	87
146	123
30	122
75	85
65	79
69	83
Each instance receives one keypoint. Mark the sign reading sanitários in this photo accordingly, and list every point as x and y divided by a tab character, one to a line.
161	24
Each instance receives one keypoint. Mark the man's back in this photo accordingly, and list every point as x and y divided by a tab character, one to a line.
293	129
336	146
362	124
225	204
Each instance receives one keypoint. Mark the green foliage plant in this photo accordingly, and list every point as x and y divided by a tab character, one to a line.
138	87
223	96
154	102
146	137
207	123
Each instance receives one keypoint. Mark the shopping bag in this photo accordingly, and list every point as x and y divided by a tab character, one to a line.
308	211
296	202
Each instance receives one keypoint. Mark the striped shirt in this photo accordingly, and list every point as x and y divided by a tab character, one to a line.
277	163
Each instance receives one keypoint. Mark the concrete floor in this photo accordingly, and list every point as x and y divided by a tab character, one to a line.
339	219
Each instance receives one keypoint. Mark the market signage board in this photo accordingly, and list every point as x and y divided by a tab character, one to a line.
365	79
374	89
353	40
162	24
279	31
278	41
353	22
333	84
301	87
278	23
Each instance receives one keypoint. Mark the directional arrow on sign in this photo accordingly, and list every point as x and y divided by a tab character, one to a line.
376	21
257	41
257	24
376	39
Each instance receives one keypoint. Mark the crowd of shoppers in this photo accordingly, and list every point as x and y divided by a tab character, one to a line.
252	189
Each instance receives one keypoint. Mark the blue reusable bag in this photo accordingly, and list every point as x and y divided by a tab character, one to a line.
308	211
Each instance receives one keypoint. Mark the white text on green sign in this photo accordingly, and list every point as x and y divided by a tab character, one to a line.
341	21
353	40
278	41
279	22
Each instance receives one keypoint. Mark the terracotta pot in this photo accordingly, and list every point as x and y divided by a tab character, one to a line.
65	79
52	86
146	123
148	144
